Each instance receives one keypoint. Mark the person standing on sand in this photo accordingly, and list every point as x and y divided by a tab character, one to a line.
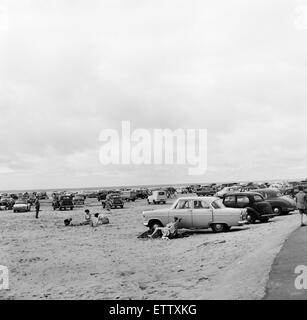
37	207
301	203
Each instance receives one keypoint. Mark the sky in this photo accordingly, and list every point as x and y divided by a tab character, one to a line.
70	69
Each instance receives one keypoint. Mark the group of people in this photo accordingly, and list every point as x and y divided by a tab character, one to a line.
93	220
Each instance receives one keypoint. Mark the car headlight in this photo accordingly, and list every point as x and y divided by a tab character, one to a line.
243	214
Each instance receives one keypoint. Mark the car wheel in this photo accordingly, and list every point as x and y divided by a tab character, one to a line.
122	207
155	224
277	210
71	208
154	201
250	218
219	227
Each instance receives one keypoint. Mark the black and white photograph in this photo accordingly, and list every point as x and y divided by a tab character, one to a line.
153	151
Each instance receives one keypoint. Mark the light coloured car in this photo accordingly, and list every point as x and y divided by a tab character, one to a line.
158	196
226	190
78	200
22	206
197	213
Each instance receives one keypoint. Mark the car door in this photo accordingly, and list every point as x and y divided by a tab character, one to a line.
242	201
183	210
230	201
202	214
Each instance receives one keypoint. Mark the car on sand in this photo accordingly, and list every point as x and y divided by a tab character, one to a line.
114	199
281	204
257	208
78	200
22	206
63	203
197	213
158	196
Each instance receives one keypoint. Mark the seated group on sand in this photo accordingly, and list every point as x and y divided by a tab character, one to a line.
92	220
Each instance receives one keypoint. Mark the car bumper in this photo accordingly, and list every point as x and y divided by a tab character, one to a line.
242	222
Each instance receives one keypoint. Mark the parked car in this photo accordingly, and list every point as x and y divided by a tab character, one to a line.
227	190
197	213
257	208
7	203
182	190
206	191
128	195
102	194
42	195
63	202
142	193
22	205
158	196
78	200
280	203
115	201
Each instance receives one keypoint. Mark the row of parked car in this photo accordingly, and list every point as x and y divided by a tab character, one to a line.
234	208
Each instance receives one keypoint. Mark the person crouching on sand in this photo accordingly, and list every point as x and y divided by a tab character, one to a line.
301	203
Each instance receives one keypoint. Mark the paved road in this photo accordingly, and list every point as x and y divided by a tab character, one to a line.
282	276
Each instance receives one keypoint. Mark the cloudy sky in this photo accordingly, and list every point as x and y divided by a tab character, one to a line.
71	68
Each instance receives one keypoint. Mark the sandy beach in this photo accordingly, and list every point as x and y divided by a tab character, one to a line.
49	261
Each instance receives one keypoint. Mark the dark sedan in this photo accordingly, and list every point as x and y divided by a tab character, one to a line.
258	209
280	203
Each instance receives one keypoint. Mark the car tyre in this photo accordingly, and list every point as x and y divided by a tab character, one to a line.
250	218
219	227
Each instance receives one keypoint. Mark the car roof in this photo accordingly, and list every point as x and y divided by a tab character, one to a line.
267	189
245	193
210	199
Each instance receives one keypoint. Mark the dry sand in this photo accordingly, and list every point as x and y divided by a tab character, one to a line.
49	261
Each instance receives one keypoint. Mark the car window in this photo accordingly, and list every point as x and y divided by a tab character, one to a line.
264	194
242	201
258	198
230	199
161	193
201	204
218	204
183	204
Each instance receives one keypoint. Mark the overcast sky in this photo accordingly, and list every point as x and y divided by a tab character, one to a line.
69	69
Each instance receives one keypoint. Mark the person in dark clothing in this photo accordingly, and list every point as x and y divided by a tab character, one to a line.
37	207
301	203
